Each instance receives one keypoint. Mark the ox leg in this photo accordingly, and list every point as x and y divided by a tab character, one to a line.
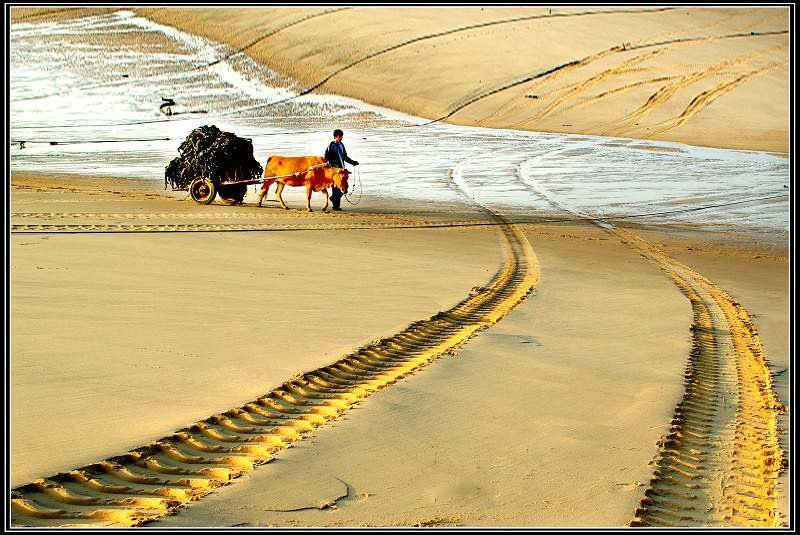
325	207
278	191
264	191
309	191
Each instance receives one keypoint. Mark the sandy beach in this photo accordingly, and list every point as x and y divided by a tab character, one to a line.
181	365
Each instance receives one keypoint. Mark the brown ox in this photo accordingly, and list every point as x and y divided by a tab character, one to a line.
309	171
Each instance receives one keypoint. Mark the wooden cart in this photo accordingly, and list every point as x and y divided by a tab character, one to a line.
204	189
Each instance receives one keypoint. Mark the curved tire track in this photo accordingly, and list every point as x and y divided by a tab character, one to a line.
666	43
705	98
700	101
718	466
720	463
571	92
155	480
274	31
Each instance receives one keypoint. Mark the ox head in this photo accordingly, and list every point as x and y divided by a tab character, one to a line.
339	177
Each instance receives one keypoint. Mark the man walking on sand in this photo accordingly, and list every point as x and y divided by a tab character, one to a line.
336	155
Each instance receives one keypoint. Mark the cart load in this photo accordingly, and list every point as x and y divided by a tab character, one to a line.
214	162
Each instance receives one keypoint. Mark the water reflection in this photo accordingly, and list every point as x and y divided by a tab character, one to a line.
86	95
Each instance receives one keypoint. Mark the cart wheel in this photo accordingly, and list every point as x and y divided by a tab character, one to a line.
202	190
233	193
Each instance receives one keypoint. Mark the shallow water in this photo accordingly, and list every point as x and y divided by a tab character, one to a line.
85	97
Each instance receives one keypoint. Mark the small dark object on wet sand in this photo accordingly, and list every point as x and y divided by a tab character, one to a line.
166	106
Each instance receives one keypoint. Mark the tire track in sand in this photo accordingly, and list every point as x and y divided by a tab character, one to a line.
719	465
670	90
157	479
260	221
666	43
704	99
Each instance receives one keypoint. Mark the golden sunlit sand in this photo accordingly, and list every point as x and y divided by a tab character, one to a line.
416	364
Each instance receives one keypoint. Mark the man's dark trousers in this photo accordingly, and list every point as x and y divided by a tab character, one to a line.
336	196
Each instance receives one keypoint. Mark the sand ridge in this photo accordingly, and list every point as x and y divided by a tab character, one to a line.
720	463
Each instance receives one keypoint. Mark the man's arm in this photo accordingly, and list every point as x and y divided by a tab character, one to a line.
346	158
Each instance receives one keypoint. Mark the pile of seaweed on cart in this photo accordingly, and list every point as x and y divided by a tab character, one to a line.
213	162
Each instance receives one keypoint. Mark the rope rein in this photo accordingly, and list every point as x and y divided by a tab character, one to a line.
295	175
299	173
357	175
